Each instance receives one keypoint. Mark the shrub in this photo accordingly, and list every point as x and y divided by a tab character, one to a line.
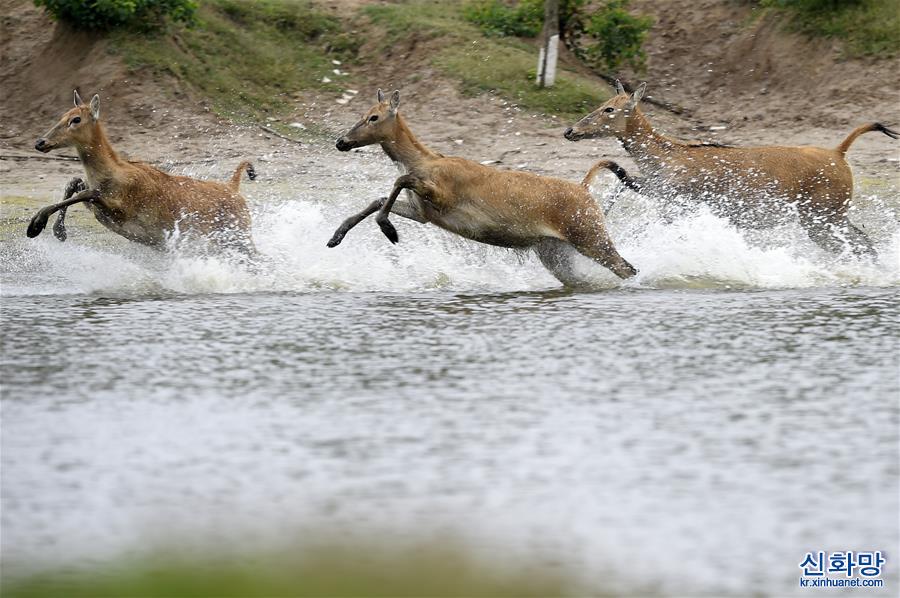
113	14
868	27
525	19
295	17
606	38
615	37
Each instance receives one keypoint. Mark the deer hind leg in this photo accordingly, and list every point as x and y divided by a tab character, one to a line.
557	256
834	232
74	186
605	253
593	241
860	242
242	242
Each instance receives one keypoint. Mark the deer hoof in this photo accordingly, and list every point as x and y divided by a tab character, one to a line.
74	186
37	224
389	231
59	231
336	239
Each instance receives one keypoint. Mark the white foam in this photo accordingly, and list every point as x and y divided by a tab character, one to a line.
694	250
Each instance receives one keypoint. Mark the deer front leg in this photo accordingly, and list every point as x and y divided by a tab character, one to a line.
407	181
74	186
401	208
352	221
39	221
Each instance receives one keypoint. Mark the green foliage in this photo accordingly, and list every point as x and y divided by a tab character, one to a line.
607	38
524	19
298	18
868	27
615	37
105	15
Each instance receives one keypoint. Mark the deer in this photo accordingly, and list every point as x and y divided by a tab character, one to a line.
137	201
511	209
749	185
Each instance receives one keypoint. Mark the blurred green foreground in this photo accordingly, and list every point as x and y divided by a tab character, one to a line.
434	569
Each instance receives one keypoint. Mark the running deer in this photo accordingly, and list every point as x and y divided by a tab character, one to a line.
137	201
747	184
497	207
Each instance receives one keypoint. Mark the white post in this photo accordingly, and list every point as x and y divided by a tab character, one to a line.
546	71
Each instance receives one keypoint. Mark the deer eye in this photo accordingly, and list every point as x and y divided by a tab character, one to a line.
610	109
373	118
75	120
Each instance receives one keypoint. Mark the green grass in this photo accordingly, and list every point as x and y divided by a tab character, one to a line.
250	60
866	27
246	58
372	571
505	66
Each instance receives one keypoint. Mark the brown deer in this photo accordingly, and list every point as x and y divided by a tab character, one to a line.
497	207
747	184
137	201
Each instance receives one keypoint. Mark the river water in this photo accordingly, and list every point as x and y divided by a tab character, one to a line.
695	430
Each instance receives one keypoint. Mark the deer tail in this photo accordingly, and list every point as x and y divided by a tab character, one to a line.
612	167
846	143
236	177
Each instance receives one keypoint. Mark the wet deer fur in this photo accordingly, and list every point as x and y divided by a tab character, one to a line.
497	207
137	201
747	184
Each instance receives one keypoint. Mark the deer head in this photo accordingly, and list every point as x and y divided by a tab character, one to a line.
376	125
610	119
77	127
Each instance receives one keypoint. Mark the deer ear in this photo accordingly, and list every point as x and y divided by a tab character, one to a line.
78	101
95	107
620	89
380	95
637	95
395	101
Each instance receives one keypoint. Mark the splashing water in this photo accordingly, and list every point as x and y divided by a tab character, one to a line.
695	249
589	427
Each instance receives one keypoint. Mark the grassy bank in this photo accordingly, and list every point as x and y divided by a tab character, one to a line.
506	66
866	27
246	59
254	59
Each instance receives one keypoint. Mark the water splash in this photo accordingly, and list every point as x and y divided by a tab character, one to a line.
694	249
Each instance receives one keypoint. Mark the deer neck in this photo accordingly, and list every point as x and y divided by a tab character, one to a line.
101	163
404	149
646	146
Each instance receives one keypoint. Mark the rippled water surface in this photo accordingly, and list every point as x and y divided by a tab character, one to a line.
698	429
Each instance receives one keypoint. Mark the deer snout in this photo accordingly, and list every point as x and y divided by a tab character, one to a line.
41	145
343	145
570	134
